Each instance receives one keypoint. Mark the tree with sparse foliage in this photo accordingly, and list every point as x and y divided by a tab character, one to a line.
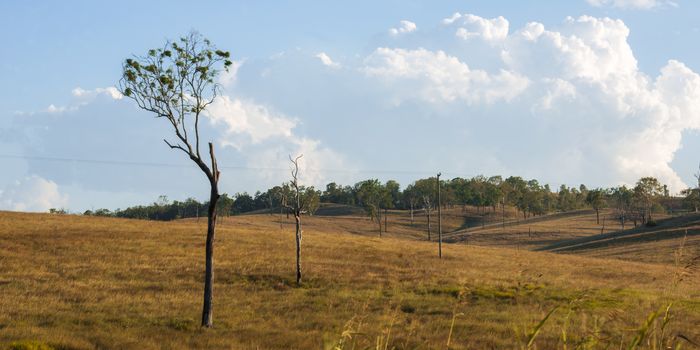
596	199
692	195
177	83
371	195
426	190
646	193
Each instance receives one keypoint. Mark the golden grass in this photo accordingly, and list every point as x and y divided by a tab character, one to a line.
87	282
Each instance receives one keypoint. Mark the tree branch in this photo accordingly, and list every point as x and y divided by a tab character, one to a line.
176	146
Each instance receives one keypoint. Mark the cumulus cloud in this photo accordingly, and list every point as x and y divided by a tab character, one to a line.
318	166
108	91
229	78
632	4
439	77
266	139
588	107
246	121
472	26
403	28
326	60
32	193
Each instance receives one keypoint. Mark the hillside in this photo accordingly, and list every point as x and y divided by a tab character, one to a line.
86	282
652	244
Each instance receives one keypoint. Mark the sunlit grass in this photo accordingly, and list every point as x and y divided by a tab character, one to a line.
84	282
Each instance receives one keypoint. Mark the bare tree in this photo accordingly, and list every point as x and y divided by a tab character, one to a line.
176	82
427	206
439	205
297	209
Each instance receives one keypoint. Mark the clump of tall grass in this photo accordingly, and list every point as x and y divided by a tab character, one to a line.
655	330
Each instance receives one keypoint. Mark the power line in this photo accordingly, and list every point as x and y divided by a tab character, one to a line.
242	168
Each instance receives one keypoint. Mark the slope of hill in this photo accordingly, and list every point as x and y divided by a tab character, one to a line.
673	239
87	282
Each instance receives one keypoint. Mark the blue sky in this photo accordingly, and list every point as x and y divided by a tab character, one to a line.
588	91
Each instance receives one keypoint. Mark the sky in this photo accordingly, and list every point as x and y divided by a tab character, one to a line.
599	92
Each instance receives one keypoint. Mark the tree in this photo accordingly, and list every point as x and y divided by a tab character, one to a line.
622	198
646	192
425	189
692	195
297	208
412	198
177	83
371	196
596	199
391	198
311	200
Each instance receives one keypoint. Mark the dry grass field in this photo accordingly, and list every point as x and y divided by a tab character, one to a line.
73	282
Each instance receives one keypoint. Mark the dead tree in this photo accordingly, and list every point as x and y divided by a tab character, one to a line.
297	209
427	206
439	205
385	220
377	210
177	82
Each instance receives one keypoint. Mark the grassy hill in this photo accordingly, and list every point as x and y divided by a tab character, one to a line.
85	282
658	244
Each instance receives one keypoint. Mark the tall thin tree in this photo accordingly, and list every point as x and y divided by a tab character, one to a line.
439	205
297	209
177	82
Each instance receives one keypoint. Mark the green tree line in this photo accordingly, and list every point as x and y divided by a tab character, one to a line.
630	205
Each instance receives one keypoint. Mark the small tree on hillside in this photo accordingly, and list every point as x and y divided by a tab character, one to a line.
425	188
177	82
646	193
300	202
622	201
411	197
596	199
371	195
692	195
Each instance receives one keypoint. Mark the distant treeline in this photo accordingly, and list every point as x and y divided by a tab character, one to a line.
528	197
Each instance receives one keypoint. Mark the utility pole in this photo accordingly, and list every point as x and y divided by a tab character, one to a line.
439	205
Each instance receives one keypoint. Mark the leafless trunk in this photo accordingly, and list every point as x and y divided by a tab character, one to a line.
379	220
297	210
503	214
412	213
385	221
427	211
439	217
207	312
622	220
597	217
297	218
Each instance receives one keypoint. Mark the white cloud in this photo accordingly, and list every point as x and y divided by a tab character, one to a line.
229	78
318	166
471	26
589	66
88	94
32	193
266	139
632	4
59	109
82	96
593	116
327	61
248	119
438	77
404	27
